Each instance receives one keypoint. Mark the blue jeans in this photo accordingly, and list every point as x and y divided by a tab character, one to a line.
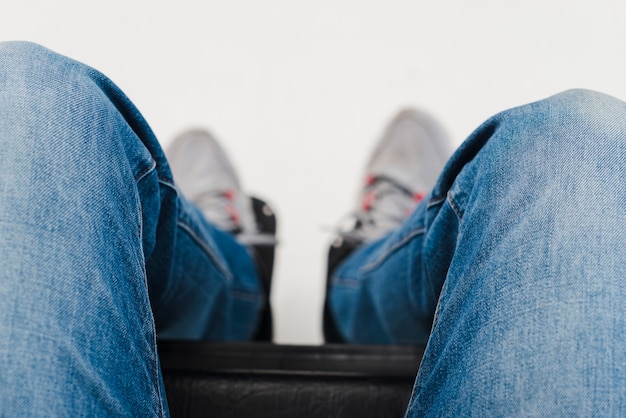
99	252
510	269
513	269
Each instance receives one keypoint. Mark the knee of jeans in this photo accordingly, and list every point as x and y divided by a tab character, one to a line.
568	148
578	135
21	47
579	107
53	113
21	61
570	118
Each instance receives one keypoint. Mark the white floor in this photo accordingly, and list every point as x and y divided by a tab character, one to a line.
299	91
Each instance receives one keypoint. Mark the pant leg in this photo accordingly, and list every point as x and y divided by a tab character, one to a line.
93	234
527	221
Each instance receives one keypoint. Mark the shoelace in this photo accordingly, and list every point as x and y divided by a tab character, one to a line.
384	206
220	207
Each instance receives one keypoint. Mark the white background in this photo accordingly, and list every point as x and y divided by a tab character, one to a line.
298	92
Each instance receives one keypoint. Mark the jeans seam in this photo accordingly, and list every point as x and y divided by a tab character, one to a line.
241	295
208	251
167	183
435	201
395	247
145	172
454	206
346	282
155	361
156	375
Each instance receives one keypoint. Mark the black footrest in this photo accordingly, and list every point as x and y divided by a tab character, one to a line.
266	380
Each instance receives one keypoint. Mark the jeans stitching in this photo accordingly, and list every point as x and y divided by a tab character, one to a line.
435	201
209	252
395	247
455	207
155	361
146	171
238	294
167	183
354	283
346	282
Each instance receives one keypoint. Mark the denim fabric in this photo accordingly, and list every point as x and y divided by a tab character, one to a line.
99	252
512	270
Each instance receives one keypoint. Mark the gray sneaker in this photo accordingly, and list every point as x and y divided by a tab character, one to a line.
402	169
207	178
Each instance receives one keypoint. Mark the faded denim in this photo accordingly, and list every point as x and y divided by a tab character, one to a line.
512	270
99	251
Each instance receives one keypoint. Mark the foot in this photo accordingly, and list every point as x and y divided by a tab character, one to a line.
402	169
207	178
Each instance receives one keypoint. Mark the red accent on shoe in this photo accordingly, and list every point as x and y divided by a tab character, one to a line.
419	196
369	180
229	194
234	215
368	199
